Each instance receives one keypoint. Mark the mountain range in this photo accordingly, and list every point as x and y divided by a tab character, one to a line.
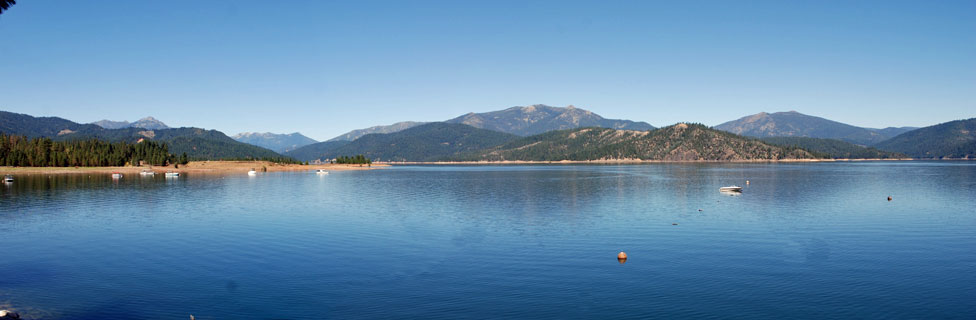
197	143
795	124
522	121
145	123
277	142
505	135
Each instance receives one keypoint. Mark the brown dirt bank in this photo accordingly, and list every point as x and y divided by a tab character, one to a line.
201	167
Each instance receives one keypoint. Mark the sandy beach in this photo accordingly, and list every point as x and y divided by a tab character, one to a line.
196	167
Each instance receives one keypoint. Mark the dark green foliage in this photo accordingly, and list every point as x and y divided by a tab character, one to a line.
834	149
675	143
44	152
5	5
358	159
429	142
952	140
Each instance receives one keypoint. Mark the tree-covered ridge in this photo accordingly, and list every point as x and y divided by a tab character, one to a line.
317	151
952	140
429	142
537	119
831	148
44	152
199	144
680	142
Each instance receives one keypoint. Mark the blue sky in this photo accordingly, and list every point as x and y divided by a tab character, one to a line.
323	68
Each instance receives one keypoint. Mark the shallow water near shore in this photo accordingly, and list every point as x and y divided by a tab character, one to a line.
803	240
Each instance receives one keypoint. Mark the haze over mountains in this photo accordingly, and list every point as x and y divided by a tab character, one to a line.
795	124
145	123
278	142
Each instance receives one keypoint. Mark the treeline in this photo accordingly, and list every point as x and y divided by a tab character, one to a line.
359	159
44	152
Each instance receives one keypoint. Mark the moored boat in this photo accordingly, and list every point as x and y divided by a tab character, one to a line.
732	188
116	175
252	173
8	178
147	173
171	174
321	171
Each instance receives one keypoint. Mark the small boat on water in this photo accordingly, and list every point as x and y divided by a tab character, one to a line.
116	175
172	174
147	173
321	171
8	178
732	188
252	173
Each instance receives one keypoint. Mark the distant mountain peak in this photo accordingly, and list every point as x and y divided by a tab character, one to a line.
539	118
145	123
794	124
274	141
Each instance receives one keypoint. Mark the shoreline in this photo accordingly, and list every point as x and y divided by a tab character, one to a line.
638	161
195	167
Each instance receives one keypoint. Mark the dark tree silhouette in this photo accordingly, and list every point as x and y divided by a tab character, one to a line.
5	5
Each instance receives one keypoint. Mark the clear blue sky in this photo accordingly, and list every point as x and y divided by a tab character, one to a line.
323	68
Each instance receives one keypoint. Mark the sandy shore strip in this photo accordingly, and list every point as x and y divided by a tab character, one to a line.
195	167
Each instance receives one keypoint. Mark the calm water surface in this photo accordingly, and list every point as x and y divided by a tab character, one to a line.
802	241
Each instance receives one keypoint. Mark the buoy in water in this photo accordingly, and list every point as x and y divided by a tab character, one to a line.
889	198
747	182
622	257
674	224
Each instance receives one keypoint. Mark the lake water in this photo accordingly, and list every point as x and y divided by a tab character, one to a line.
817	240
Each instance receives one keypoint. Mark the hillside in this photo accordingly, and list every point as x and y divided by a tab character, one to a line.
26	125
795	124
954	139
276	142
396	127
680	142
429	142
832	148
197	143
536	119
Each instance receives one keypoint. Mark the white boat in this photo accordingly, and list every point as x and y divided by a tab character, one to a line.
116	175
252	173
172	174
147	173
8	178
321	171
732	188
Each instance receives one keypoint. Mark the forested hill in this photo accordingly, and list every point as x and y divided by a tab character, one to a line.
680	142
831	148
197	143
429	142
795	124
954	140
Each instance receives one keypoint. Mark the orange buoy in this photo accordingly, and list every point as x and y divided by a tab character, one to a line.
622	255
889	198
